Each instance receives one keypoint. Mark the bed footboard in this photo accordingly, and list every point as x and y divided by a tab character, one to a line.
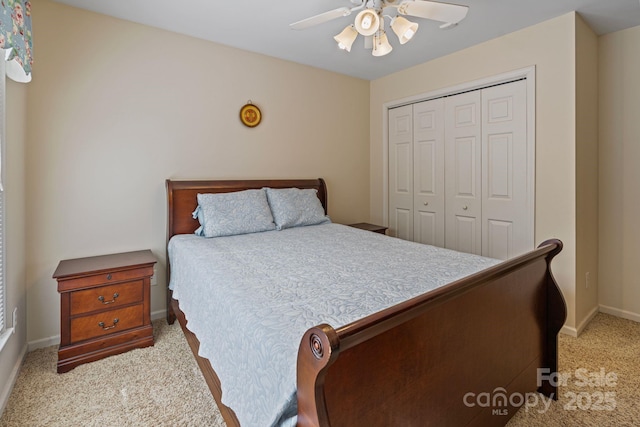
469	353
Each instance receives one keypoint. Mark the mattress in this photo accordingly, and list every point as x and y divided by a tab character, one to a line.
250	298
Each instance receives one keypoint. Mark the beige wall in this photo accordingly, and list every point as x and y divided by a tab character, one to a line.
14	226
586	173
550	46
619	152
120	107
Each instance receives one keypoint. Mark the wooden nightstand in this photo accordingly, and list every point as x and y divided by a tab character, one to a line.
370	227
104	306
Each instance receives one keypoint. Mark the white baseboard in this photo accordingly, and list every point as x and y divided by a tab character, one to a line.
620	313
569	330
587	319
624	314
44	342
575	332
155	315
8	387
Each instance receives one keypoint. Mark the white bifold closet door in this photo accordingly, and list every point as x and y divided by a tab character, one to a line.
458	172
507	215
401	172
428	173
463	174
416	173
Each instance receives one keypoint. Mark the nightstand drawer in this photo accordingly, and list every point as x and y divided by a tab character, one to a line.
106	297
103	279
108	322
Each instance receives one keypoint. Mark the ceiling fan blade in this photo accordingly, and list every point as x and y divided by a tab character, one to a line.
443	12
321	18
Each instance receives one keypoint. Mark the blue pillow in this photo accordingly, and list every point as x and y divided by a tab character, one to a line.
294	207
200	216
240	212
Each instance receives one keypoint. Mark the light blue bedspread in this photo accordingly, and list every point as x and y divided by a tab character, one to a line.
250	298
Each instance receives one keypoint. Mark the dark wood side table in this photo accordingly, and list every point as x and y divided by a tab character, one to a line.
104	306
370	227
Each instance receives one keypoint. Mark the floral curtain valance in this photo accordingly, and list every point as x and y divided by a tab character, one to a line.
15	38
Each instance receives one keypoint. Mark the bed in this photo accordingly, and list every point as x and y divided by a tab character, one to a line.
421	361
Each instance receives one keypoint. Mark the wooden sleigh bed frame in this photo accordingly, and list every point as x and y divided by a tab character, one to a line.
423	362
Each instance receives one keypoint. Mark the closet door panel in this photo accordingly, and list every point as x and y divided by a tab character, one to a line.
500	239
401	172
505	211
428	167
465	238
402	220
427	229
463	201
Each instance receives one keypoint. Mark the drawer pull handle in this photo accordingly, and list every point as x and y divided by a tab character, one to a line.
106	328
109	276
101	299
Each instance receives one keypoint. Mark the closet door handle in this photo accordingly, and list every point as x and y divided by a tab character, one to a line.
464	208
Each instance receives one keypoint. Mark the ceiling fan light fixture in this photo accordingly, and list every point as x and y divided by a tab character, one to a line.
367	22
346	38
381	46
404	29
370	21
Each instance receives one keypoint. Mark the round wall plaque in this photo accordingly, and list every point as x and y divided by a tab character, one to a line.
250	115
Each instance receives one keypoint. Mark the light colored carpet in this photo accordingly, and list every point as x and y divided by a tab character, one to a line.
610	345
139	388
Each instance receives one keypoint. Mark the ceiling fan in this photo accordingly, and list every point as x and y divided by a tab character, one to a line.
369	22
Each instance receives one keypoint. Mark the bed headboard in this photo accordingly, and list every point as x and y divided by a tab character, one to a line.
181	197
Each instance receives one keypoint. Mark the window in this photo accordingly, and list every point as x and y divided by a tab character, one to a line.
2	281
3	299
16	46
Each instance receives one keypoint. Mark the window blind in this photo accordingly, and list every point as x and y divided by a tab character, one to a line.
2	290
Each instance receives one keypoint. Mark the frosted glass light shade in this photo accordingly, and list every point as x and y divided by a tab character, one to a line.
403	28
346	38
381	44
367	22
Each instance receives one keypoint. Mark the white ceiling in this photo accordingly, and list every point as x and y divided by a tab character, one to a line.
263	26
